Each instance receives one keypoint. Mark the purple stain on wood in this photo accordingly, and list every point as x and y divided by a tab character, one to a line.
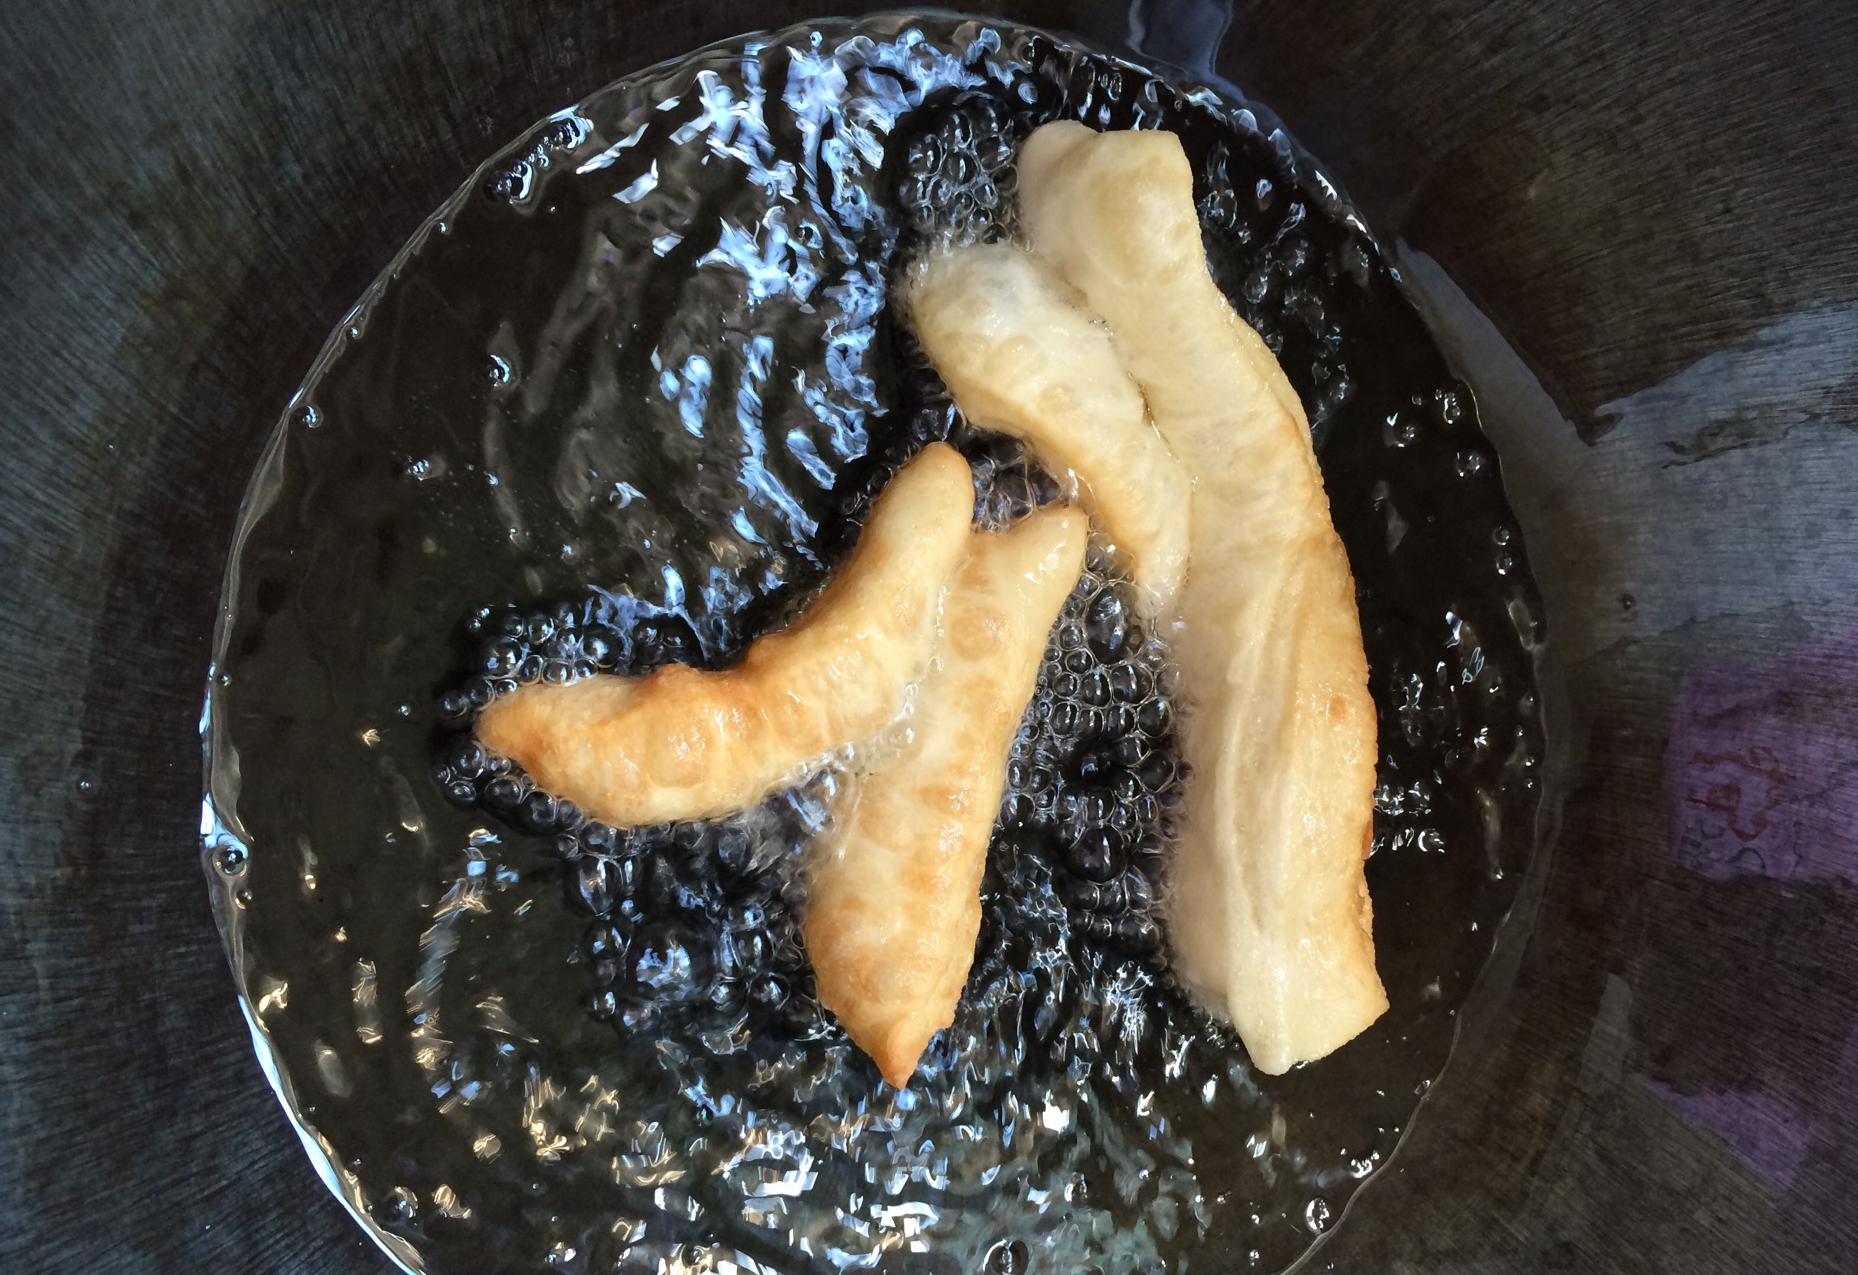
1768	1134
1761	785
1761	771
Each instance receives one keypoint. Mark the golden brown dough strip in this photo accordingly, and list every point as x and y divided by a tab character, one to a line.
1269	916
893	900
685	743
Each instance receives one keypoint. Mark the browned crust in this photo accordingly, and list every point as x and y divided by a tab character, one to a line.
686	743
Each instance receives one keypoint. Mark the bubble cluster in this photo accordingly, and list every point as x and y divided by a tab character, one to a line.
1269	266
959	180
1095	772
517	179
1008	482
696	927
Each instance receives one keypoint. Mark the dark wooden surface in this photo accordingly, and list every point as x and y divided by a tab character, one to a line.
1650	202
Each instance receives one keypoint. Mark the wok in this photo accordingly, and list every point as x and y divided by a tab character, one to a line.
1630	226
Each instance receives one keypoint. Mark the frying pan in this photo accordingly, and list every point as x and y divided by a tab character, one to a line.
1630	226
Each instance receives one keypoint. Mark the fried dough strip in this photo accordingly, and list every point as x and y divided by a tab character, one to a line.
1020	358
685	743
1268	903
893	902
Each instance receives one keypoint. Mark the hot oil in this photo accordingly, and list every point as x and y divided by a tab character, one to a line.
624	401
